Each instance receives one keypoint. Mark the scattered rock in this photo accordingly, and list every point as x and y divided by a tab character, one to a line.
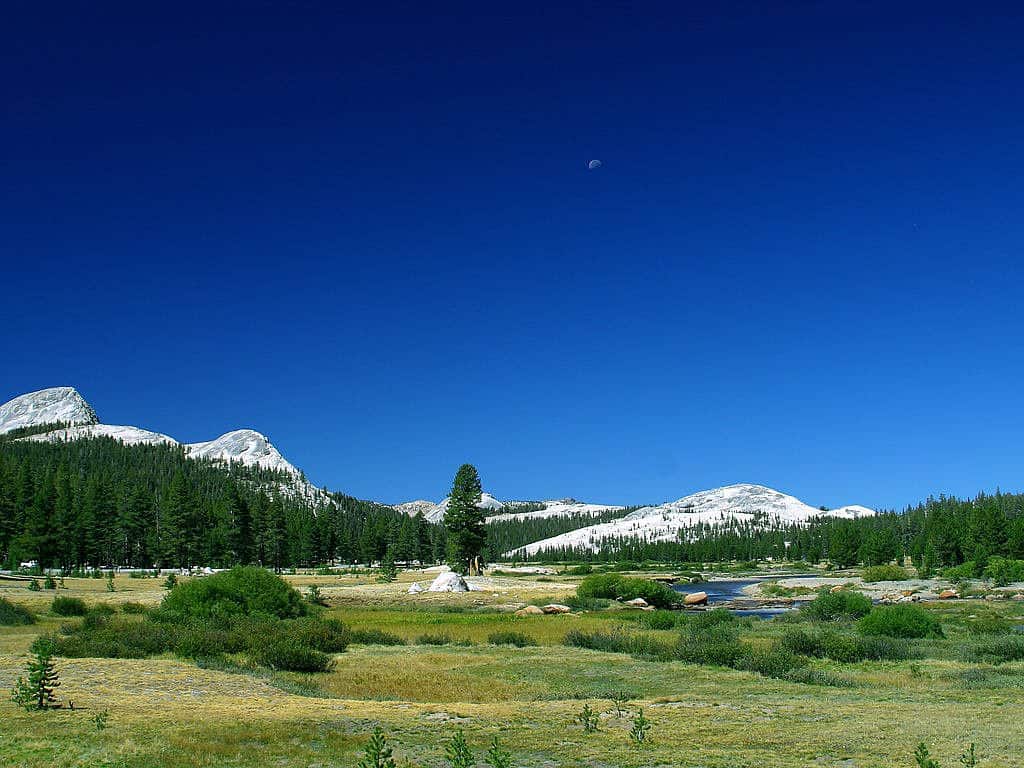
415	588
556	608
530	610
637	602
697	598
948	594
449	582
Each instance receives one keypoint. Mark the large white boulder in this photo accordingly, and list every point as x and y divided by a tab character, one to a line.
449	582
415	588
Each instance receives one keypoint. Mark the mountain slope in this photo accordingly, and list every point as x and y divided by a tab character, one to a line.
46	406
65	405
434	513
743	502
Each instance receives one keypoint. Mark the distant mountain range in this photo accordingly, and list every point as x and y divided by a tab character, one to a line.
754	504
65	406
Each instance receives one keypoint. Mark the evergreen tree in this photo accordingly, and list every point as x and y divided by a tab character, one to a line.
38	691
464	520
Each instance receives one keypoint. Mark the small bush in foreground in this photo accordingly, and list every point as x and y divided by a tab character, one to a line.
900	621
374	637
837	606
997	650
14	615
68	606
518	639
290	655
885	573
136	608
658	620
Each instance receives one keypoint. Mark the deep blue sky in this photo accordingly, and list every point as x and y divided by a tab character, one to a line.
372	235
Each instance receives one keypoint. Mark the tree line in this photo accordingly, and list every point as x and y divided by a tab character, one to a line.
98	502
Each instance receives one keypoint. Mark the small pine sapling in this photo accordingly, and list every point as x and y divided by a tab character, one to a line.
641	728
377	753
171	581
923	757
497	757
458	753
33	586
588	718
619	701
38	691
969	759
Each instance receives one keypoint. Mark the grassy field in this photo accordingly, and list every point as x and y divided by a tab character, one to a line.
165	712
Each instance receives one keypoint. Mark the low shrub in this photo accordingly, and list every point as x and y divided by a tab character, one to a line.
845	647
718	646
909	621
989	625
518	639
774	661
616	641
68	606
14	615
374	637
136	608
837	606
325	635
292	656
242	591
658	620
885	573
428	639
811	676
957	572
996	650
578	603
612	586
1003	571
704	620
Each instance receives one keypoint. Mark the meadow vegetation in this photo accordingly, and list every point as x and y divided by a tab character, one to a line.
227	670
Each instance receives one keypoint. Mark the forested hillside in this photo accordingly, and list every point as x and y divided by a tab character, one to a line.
99	502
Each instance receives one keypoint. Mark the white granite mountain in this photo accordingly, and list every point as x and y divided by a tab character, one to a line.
743	502
65	405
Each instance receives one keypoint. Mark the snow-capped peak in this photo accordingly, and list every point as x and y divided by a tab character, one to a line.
243	445
46	406
434	513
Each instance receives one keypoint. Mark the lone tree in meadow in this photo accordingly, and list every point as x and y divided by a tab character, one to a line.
465	520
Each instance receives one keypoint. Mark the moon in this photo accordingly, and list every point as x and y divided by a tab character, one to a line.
594	165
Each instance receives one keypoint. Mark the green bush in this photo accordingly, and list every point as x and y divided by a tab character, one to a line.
774	661
14	615
658	620
438	639
909	621
518	639
68	606
837	606
612	586
845	647
292	656
137	608
996	650
325	635
242	591
718	646
958	572
616	641
885	573
704	620
374	637
1003	571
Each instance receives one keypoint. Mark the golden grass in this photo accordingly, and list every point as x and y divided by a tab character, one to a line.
168	713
